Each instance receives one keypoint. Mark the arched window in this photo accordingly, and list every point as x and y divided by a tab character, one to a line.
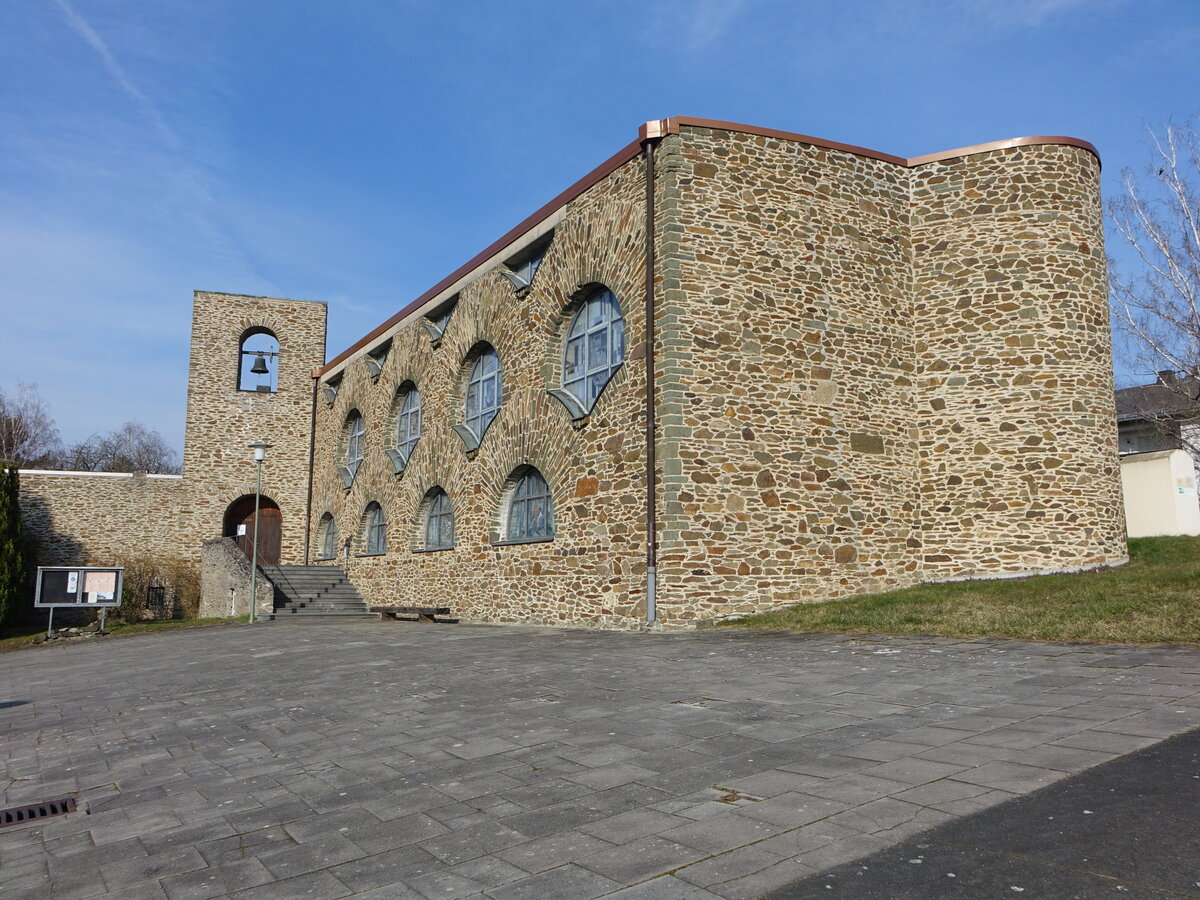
406	417
530	509
355	436
258	361
484	396
439	521
595	348
329	537
376	529
408	423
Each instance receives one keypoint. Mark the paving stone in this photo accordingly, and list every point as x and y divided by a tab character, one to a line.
552	851
119	875
565	881
1010	776
377	837
604	777
727	866
630	826
665	887
200	884
386	868
318	884
490	871
758	883
318	853
459	846
497	739
444	883
722	833
912	771
640	859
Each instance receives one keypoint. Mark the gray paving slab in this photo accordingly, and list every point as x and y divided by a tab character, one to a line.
376	760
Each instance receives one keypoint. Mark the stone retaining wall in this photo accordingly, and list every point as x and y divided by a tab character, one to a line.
79	518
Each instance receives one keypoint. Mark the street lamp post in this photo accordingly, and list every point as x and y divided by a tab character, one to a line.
260	453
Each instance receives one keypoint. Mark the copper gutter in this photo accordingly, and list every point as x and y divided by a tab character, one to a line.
656	129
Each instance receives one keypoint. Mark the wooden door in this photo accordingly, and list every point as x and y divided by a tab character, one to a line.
239	525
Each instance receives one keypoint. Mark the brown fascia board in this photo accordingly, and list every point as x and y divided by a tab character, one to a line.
606	168
657	128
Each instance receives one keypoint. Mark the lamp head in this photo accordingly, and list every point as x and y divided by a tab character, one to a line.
260	450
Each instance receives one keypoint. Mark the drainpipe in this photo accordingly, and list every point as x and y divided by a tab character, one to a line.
651	132
312	442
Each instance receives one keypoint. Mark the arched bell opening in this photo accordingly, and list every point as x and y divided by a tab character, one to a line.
258	361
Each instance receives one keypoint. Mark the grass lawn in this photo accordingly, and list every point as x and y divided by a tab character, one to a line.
1155	598
21	636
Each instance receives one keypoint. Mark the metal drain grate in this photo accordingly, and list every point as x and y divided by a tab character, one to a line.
20	814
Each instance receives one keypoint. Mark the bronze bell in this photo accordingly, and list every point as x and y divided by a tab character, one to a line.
260	365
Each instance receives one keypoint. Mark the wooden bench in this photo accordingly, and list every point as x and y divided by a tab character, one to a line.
423	613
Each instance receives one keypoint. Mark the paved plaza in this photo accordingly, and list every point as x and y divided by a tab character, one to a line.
399	760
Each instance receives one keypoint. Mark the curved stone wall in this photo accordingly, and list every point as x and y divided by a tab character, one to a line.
1018	456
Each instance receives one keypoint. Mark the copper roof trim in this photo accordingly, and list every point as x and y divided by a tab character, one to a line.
1035	141
606	168
651	130
673	126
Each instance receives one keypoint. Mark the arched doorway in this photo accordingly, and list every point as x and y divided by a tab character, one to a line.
239	525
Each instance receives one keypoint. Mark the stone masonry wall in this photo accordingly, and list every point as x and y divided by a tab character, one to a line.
869	375
221	420
787	403
593	571
80	518
1018	453
225	582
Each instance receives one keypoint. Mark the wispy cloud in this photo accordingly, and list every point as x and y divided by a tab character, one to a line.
693	25
1031	13
149	109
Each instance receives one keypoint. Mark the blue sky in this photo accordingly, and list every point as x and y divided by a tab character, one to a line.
356	151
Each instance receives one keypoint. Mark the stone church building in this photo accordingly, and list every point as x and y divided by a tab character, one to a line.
730	369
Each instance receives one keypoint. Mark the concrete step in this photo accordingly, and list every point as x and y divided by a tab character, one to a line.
314	591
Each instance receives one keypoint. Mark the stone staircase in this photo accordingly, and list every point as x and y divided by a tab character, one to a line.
313	592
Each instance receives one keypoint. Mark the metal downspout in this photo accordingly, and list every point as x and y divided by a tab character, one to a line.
648	143
312	443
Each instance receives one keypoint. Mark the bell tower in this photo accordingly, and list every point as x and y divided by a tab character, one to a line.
250	379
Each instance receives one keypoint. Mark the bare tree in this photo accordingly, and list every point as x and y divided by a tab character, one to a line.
131	448
28	436
1156	305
